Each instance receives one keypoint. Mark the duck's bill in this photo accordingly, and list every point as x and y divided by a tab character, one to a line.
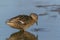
36	23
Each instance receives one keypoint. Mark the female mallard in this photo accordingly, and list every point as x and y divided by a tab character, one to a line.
23	21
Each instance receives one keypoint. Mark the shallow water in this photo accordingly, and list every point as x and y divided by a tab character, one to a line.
49	24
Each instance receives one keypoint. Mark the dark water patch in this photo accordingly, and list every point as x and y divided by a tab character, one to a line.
53	16
39	30
44	14
56	10
46	5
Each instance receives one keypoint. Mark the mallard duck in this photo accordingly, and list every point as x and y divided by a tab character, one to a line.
22	21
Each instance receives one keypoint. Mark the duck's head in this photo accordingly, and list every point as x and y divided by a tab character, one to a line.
34	16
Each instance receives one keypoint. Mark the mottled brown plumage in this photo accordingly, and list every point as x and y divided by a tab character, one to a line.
23	21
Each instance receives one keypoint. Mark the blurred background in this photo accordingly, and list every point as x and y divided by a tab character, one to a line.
48	27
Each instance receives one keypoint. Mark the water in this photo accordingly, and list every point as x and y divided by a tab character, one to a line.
48	24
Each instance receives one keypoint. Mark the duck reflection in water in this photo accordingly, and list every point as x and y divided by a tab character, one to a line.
22	36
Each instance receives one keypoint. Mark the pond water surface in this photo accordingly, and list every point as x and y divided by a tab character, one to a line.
49	24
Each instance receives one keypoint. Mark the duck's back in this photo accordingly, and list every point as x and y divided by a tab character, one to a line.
22	21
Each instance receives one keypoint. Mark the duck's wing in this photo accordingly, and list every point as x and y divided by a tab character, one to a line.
24	19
